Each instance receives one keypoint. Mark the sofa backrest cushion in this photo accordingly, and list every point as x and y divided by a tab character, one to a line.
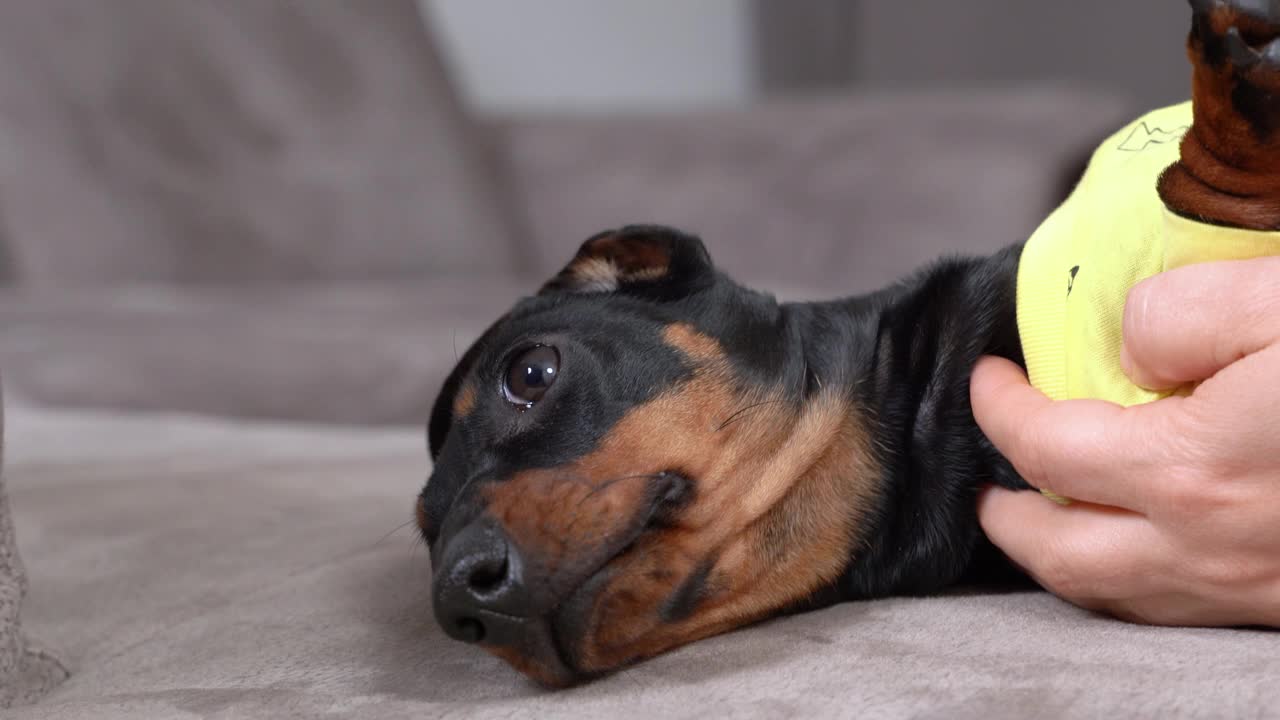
822	195
240	141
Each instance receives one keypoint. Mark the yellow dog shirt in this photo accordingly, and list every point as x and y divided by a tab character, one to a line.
1114	231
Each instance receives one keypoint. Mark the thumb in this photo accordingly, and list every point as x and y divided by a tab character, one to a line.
1187	324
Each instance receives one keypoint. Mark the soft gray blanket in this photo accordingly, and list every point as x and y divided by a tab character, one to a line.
198	568
26	672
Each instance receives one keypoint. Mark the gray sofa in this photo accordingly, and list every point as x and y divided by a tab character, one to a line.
243	243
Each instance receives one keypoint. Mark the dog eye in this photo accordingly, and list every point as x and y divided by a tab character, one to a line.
531	374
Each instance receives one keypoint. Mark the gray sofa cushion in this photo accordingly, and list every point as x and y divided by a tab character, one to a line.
837	194
195	568
810	200
337	353
26	672
237	141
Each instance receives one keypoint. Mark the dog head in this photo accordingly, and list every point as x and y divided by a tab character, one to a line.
637	457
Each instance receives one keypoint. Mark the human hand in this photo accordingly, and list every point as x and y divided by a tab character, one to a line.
1176	512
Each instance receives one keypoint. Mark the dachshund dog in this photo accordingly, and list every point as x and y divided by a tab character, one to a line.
646	453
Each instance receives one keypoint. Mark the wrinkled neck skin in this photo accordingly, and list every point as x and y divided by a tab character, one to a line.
1211	186
904	356
1228	171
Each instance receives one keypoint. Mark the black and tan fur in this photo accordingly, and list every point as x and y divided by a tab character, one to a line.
707	457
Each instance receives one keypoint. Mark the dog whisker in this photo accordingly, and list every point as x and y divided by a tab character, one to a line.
609	483
602	486
737	415
393	531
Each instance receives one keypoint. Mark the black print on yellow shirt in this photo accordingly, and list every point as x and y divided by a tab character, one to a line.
1071	281
1144	136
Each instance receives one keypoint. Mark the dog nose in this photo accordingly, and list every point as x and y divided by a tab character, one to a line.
478	591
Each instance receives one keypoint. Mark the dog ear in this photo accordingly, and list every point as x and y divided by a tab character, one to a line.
644	260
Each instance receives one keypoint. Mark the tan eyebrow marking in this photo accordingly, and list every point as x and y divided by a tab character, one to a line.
465	401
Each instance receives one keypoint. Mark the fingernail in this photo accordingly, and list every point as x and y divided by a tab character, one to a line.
1126	361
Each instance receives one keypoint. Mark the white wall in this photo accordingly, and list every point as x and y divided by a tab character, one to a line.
596	55
1134	47
605	55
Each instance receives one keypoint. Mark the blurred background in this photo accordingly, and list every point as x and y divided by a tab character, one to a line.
529	57
303	210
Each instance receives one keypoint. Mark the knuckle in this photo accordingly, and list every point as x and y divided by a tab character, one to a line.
1089	569
1193	496
1223	573
1062	571
1257	302
1185	496
1112	574
1262	293
1199	450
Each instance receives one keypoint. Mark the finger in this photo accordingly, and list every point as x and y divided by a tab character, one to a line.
1226	417
1086	450
1085	553
1187	324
